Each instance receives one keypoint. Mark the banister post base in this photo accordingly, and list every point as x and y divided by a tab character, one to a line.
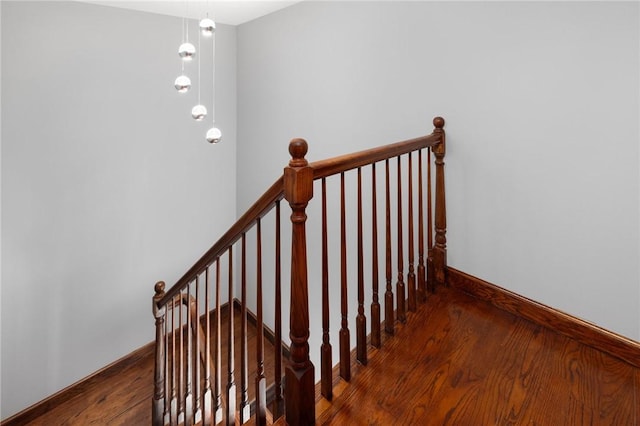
300	399
440	248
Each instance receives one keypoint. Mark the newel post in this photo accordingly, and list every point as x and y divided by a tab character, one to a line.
157	416
299	373
440	249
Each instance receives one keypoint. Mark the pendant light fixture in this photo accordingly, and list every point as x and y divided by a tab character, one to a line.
182	83
199	112
213	134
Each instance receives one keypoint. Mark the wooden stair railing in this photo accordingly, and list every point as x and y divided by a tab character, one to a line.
180	372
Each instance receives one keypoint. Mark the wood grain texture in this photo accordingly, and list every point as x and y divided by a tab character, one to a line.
138	363
121	393
465	362
575	328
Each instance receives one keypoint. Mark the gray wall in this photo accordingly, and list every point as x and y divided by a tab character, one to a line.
541	102
108	184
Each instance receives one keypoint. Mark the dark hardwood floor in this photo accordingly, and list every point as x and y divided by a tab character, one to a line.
460	361
457	361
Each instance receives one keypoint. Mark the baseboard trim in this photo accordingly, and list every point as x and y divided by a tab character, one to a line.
38	409
578	329
268	333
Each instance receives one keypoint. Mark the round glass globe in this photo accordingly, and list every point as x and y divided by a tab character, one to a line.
182	83
207	26
187	51
214	135
199	112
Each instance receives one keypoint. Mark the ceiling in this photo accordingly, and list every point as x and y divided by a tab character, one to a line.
232	12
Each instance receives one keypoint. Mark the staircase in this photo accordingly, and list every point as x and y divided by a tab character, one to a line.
425	352
191	384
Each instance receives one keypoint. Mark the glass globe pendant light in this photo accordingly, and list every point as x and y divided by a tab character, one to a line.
199	112
214	135
207	26
187	51
182	83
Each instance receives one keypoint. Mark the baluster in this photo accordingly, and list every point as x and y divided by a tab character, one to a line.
375	304
422	289
173	413
430	272
181	366
188	399
326	386
167	361
345	359
278	403
411	277
361	320
218	350
160	360
207	397
402	316
298	190
245	407
231	382
197	332
261	381
389	321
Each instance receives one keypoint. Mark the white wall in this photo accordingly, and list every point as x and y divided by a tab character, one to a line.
542	104
108	185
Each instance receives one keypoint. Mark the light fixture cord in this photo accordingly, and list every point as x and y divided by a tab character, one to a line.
186	14
199	62
213	77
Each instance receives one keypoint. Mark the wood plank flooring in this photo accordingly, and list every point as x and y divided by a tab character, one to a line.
125	399
460	361
457	361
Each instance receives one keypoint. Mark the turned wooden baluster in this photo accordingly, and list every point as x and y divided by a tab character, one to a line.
278	402
231	381
375	304
245	406
400	294
218	350
345	340
167	367
389	320
361	320
261	381
422	283
160	359
299	386
440	249
430	271
188	399
411	277
326	364
181	381
173	413
208	395
197	331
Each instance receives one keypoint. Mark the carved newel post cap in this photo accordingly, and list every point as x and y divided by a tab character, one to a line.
159	287
298	149
438	122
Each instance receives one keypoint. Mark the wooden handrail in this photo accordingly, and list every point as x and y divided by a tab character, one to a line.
258	210
342	163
